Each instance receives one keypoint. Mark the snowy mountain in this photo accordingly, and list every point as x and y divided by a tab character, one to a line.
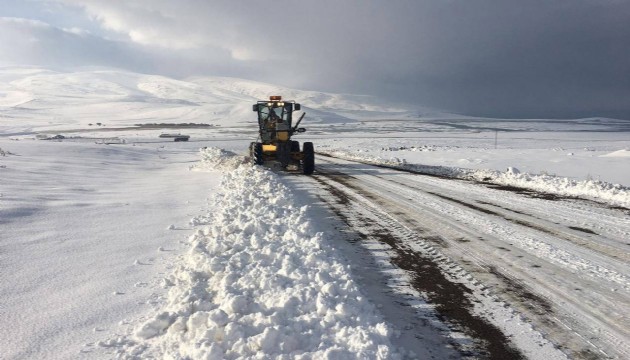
33	99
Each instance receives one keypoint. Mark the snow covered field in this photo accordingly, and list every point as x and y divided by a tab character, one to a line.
590	165
109	247
84	236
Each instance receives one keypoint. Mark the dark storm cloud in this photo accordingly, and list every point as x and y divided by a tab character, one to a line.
563	58
524	59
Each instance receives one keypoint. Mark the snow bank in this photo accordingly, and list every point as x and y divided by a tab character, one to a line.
219	159
259	282
614	194
623	153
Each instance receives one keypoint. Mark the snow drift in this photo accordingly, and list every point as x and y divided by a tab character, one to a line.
597	190
259	282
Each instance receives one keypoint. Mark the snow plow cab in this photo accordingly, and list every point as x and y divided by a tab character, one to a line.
274	144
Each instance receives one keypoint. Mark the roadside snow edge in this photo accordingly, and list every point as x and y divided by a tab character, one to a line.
259	281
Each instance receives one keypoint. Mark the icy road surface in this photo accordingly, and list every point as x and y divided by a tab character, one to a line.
489	262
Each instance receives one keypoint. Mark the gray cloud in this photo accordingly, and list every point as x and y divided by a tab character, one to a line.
487	57
34	42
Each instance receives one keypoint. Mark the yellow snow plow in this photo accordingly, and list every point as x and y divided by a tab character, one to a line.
274	144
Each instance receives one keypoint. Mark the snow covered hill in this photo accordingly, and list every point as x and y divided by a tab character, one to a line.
34	99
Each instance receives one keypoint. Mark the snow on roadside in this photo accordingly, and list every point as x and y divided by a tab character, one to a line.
613	194
259	281
219	159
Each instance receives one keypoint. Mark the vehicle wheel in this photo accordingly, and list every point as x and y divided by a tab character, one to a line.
308	164
258	154
251	149
295	146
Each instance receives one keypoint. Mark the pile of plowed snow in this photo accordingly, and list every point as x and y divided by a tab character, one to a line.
259	282
613	194
214	158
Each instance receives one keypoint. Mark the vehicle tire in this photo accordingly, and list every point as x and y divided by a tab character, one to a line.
308	164
258	153
295	146
251	150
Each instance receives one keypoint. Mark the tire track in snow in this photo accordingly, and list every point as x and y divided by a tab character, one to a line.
593	321
453	291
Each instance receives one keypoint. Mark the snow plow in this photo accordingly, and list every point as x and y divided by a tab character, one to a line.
274	144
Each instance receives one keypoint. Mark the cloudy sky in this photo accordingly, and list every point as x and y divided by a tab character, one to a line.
502	58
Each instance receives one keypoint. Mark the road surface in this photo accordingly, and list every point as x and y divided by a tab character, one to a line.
490	267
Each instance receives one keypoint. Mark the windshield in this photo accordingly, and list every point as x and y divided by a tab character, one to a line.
272	113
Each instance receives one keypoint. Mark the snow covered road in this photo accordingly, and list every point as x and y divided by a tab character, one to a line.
560	265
